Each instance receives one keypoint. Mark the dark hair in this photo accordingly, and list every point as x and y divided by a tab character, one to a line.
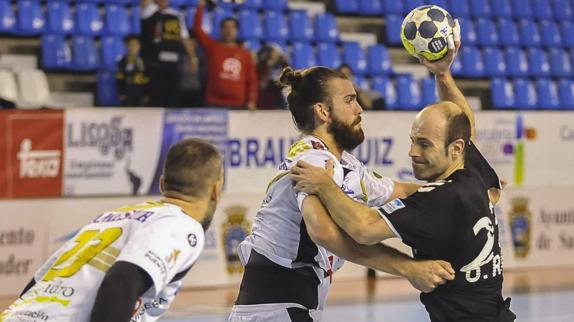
457	127
190	166
306	88
131	37
229	19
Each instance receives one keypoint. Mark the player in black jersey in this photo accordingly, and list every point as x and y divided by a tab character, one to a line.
450	218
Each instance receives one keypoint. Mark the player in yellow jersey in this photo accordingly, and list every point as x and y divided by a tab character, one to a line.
128	264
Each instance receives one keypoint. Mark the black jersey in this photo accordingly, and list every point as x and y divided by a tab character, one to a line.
453	220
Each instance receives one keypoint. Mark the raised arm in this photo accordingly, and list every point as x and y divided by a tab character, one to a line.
446	86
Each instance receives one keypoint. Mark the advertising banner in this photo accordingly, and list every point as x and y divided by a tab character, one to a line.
111	151
31	153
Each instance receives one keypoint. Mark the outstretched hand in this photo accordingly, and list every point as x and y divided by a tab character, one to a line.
426	275
310	179
442	66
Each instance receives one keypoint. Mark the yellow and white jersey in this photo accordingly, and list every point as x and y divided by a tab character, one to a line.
157	237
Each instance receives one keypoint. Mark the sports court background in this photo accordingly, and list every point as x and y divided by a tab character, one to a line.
60	167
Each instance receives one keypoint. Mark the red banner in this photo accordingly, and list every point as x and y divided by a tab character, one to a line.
31	153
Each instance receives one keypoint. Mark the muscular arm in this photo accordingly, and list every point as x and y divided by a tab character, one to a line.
325	232
403	190
123	284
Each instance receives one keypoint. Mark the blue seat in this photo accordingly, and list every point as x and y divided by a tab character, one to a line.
206	22
328	55
275	26
378	60
107	89
176	4
502	93
302	55
486	30
393	29
508	33
88	19
59	18
473	65
220	13
480	8
326	28
538	64
550	34
113	49
354	56
31	20
541	9
529	33
524	94
411	4
56	53
116	20
300	27
547	93
392	7
560	65
409	93
459	8
441	3
516	62
282	44
386	87
494	64
428	89
251	4
566	93
84	53
135	20
347	6
361	82
250	26
370	7
274	4
468	31
457	68
252	45
521	9
562	10
7	17
501	8
566	31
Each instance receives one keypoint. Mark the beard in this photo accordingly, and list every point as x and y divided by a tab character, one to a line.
345	136
209	215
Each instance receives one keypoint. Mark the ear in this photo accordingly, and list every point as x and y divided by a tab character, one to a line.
322	112
161	184
216	190
457	148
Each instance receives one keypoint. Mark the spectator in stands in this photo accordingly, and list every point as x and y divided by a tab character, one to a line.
165	41
131	75
231	75
368	99
270	62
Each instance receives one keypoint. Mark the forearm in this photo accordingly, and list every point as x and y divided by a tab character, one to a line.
350	215
114	303
403	190
448	91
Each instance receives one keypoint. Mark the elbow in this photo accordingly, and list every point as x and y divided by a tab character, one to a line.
364	238
321	236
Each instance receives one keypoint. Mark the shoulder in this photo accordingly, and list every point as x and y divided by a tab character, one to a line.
306	144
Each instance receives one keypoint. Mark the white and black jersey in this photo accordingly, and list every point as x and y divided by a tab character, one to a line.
453	220
282	263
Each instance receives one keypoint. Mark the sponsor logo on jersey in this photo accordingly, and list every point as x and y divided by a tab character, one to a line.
157	262
172	258
192	240
393	206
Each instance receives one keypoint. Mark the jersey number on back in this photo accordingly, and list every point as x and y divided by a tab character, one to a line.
89	244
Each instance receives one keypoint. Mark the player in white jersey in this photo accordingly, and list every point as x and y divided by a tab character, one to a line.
295	247
128	264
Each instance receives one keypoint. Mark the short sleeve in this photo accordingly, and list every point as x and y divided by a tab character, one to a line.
164	248
423	220
379	189
318	158
475	161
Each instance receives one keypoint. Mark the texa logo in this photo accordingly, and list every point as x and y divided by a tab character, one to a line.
39	163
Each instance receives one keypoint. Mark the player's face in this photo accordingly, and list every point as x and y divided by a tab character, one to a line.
345	123
229	32
162	4
428	157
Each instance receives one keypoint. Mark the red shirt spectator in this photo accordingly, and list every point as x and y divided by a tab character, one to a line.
231	75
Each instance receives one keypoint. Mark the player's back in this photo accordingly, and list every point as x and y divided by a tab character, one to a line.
66	285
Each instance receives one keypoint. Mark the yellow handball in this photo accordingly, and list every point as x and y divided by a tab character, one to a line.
425	31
